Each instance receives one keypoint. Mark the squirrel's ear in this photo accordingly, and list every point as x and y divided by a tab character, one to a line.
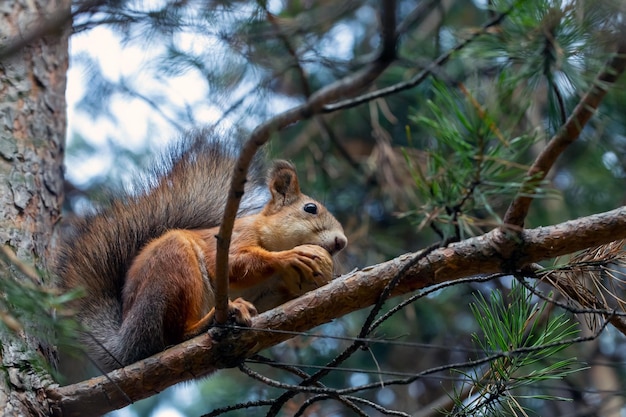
283	183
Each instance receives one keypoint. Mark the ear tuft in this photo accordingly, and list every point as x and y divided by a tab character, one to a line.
283	182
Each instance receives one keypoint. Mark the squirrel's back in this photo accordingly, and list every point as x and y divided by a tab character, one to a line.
188	191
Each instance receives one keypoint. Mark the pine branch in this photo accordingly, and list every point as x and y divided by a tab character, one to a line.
570	131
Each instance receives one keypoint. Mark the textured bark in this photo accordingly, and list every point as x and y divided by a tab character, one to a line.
32	131
495	251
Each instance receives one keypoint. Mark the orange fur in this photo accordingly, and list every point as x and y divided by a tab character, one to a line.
146	262
275	255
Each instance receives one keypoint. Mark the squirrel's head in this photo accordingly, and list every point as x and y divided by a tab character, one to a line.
291	218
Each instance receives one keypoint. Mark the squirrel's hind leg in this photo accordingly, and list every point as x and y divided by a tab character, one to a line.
167	291
168	295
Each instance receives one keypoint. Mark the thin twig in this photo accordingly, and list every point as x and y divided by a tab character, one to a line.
417	16
616	318
348	401
322	397
473	363
362	340
376	407
421	76
328	392
429	291
443	403
306	91
238	406
437	369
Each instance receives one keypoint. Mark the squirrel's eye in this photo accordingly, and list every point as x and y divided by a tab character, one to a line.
310	208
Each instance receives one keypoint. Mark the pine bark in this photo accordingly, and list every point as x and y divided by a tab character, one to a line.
32	132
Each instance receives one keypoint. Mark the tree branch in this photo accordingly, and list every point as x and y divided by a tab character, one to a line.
341	88
46	23
219	348
517	211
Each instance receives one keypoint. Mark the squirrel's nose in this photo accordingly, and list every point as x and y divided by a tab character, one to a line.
340	242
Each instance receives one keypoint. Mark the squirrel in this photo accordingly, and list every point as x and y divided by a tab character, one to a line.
146	262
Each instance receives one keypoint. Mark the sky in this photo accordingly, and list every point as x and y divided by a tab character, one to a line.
133	119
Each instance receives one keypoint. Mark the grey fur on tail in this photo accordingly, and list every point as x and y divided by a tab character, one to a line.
187	189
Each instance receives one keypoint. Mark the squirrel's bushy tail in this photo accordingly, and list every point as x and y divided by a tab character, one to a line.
188	190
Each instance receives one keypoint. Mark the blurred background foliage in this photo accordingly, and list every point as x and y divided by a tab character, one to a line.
442	159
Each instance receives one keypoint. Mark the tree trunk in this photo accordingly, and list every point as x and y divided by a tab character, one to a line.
32	130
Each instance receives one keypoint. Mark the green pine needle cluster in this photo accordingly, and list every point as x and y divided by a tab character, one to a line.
29	310
510	89
523	340
472	166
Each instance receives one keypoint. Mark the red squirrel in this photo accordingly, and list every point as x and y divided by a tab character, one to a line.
146	262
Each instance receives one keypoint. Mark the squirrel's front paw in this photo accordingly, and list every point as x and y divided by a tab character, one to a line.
313	266
241	312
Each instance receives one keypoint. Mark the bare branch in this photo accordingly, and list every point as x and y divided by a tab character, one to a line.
218	349
417	16
341	88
